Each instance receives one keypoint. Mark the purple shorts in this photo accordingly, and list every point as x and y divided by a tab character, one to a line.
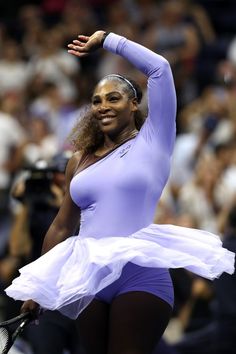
156	281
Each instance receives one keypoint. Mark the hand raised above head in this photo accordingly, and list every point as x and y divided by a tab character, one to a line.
85	45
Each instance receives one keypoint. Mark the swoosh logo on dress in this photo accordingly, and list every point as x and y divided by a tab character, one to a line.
124	150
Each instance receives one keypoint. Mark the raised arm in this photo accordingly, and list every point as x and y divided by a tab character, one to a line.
161	90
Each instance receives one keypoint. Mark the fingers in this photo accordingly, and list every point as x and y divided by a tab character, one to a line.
76	45
85	45
83	38
78	48
79	43
77	54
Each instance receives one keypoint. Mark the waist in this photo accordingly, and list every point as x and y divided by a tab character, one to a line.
107	227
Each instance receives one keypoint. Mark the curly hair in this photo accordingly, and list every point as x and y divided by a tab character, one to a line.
86	135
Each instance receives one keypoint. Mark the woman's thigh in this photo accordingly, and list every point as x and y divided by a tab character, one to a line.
137	321
92	326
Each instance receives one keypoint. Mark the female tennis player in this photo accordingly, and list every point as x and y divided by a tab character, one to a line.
114	274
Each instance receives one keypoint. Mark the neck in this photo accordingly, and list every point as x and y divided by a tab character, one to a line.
111	142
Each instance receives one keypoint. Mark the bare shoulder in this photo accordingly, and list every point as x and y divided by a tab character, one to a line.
72	164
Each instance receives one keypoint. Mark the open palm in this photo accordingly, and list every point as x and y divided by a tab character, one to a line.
85	45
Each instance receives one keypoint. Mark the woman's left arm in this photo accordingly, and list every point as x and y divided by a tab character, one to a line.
161	89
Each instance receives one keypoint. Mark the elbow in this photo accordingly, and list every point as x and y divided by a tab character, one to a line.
162	69
165	68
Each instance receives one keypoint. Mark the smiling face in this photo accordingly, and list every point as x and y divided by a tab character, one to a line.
113	108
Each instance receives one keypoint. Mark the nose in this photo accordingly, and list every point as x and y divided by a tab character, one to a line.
103	108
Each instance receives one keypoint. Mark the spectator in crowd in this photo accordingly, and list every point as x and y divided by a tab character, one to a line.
218	336
12	136
225	291
31	26
47	104
13	71
179	43
39	144
52	64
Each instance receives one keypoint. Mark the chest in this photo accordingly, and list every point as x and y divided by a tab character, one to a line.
117	176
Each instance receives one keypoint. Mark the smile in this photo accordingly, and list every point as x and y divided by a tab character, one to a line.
107	119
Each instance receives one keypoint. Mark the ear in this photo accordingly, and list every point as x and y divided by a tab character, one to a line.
134	104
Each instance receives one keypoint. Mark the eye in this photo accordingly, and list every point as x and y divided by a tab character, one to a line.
114	98
95	101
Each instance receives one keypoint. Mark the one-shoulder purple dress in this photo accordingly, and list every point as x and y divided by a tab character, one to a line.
118	195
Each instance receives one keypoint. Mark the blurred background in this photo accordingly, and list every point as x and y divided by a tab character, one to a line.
43	93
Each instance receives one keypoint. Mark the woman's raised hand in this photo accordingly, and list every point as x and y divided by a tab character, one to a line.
85	45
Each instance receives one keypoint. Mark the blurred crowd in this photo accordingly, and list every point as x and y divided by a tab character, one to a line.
43	93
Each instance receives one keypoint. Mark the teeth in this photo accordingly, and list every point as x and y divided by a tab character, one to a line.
106	119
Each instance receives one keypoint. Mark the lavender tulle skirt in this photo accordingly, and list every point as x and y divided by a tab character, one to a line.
68	276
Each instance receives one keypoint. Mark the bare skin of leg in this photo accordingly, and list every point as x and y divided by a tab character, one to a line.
132	324
92	326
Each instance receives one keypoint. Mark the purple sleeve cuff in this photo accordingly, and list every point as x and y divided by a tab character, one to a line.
112	42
